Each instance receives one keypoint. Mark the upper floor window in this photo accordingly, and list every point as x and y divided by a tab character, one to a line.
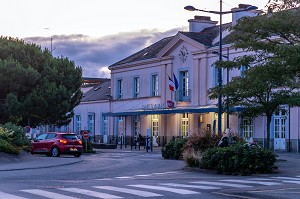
243	69
183	93
215	75
154	85
119	88
136	87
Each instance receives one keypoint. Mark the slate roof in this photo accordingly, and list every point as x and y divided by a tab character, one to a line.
204	37
98	92
146	53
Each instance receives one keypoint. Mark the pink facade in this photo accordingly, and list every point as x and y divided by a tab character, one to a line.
141	101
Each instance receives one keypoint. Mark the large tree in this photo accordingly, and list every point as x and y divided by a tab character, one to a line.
273	56
36	88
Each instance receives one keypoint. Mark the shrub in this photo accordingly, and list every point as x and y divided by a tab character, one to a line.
192	158
201	141
174	149
6	147
18	137
87	146
239	159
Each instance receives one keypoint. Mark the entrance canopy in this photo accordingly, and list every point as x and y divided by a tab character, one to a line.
170	111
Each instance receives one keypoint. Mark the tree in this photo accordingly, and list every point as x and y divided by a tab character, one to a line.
36	88
272	59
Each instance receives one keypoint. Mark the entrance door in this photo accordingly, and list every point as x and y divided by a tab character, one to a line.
279	133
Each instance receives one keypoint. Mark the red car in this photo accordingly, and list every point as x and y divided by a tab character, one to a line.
55	143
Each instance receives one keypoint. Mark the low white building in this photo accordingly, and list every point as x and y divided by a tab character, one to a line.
141	101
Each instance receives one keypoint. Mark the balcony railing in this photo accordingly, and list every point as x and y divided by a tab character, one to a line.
183	95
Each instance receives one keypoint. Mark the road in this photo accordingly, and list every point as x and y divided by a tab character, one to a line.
127	174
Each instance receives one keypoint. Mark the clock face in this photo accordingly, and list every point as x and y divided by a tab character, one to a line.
183	53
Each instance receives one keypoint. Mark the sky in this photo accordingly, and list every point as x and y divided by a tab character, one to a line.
97	33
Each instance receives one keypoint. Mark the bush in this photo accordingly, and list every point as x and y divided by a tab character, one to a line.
174	149
18	137
13	139
192	158
6	147
201	141
239	160
87	146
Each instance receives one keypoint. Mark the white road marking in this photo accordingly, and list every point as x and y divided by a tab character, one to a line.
223	184
4	195
129	191
286	178
291	181
90	193
190	186
48	194
253	182
179	191
124	177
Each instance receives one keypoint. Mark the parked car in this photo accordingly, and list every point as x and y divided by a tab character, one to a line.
56	143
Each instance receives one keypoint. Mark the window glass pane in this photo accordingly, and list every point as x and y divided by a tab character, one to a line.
248	127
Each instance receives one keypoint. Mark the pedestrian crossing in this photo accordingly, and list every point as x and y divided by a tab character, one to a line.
147	190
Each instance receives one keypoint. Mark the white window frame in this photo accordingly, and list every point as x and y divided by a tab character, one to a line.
119	89
154	124
184	128
154	85
77	124
248	127
91	123
105	125
136	87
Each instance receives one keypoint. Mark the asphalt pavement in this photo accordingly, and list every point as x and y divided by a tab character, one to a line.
288	163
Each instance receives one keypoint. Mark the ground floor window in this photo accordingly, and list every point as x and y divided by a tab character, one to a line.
247	127
184	124
77	124
136	125
105	125
154	125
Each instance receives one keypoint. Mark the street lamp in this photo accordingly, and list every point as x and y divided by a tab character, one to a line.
227	77
220	13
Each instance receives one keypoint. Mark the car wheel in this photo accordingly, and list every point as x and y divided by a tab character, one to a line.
77	155
55	152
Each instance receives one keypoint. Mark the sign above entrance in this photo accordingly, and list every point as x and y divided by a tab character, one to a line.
153	106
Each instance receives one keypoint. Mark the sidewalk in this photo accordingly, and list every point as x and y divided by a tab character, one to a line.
288	163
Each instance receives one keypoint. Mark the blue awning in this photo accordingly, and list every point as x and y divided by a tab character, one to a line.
170	111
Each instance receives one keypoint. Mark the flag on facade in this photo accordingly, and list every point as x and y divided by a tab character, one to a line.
171	84
175	82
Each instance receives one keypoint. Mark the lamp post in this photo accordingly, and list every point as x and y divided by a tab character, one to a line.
227	80
220	13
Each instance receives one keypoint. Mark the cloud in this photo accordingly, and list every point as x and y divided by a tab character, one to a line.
94	55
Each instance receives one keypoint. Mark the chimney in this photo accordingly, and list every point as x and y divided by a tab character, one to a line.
237	15
199	23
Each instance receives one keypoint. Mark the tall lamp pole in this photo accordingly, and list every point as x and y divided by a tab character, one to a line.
220	13
227	77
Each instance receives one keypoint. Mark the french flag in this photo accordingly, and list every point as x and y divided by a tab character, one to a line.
171	84
176	85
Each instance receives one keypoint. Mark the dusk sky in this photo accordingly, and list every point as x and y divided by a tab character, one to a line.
97	33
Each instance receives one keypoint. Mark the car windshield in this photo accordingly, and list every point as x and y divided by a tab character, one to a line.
69	136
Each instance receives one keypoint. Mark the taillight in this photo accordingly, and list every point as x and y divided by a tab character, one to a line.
63	141
80	142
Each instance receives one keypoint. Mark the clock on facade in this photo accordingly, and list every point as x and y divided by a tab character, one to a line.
183	53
